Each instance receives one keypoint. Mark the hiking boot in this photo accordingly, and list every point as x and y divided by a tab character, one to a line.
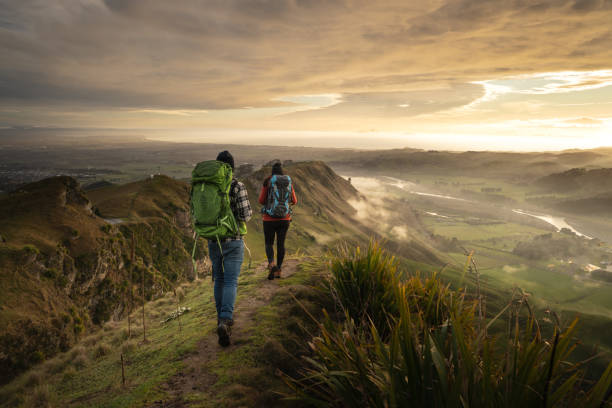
229	322
277	273
224	331
272	273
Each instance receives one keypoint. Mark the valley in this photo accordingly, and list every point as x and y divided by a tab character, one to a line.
68	269
561	263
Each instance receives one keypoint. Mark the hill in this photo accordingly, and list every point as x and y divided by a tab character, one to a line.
578	179
65	269
524	167
66	254
330	209
577	191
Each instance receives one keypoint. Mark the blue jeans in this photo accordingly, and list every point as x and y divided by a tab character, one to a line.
226	277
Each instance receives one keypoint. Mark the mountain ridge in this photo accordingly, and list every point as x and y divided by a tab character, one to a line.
74	262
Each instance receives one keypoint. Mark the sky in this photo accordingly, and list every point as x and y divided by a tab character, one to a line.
440	74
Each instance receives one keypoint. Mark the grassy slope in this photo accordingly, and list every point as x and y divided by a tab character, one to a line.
90	374
322	218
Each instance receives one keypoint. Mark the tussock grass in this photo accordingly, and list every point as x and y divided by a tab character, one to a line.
102	349
41	397
56	364
120	337
34	378
77	351
110	326
68	374
129	346
418	343
180	294
80	361
93	339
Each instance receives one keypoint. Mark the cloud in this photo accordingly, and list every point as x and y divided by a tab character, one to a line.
397	104
386	60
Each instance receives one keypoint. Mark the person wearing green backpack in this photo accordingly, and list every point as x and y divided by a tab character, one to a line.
220	208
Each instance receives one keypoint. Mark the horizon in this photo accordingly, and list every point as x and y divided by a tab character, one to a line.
488	76
362	143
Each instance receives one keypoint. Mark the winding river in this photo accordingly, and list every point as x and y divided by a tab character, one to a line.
557	222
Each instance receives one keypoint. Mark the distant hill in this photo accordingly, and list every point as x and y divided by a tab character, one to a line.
600	205
507	165
97	184
595	181
326	214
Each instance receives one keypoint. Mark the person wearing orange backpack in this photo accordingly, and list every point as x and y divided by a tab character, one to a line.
277	195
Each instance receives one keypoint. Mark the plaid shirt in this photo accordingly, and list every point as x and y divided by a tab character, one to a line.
240	205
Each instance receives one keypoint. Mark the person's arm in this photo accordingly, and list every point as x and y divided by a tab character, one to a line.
263	195
243	206
293	197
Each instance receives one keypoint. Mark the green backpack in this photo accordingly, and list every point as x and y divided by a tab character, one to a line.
210	203
211	213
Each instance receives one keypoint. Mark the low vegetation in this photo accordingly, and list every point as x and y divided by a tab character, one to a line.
419	343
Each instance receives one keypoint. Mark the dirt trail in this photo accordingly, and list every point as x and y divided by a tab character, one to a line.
196	376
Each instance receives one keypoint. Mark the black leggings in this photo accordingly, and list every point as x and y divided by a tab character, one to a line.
279	228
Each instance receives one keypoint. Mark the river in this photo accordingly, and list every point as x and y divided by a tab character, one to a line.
558	222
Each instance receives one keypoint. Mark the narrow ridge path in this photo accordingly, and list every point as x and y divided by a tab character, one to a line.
196	376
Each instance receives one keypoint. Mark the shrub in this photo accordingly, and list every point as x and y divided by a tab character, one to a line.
50	273
37	356
78	328
30	249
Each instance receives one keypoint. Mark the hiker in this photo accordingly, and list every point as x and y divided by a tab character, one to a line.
276	196
224	233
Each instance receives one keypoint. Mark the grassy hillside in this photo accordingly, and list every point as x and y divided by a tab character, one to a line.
66	266
65	270
181	365
326	213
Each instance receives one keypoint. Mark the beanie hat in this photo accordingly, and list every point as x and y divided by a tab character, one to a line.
277	168
226	157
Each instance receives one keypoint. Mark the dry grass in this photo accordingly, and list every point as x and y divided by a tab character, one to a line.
111	325
129	346
41	397
80	361
120	337
69	374
93	339
56	364
180	294
101	350
34	378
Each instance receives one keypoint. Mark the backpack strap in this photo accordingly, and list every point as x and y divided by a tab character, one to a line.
193	260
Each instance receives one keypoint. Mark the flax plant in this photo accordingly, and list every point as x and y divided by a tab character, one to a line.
419	343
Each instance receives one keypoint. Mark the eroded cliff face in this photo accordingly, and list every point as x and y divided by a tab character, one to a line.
64	269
